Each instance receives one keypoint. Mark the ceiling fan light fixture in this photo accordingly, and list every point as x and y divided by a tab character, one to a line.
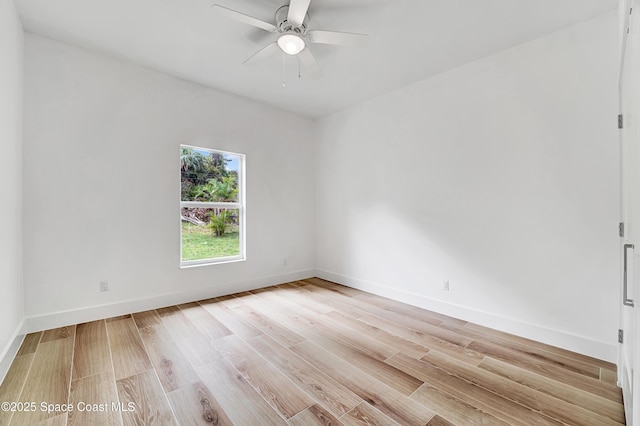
291	44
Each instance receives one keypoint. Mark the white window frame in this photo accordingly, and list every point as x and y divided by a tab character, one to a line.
239	205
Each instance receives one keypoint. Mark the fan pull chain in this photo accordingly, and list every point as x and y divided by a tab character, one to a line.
283	84
299	76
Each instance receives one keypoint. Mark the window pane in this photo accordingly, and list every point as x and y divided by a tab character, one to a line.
208	175
210	233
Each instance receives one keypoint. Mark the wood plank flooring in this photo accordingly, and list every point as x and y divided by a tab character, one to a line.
305	353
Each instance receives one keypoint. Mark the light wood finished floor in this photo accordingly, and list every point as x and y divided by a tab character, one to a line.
302	354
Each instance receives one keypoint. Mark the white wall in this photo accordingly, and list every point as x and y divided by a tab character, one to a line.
101	182
500	176
11	295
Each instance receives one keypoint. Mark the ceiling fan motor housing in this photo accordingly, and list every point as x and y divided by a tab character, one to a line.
283	24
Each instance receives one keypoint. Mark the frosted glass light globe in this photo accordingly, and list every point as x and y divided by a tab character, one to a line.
291	44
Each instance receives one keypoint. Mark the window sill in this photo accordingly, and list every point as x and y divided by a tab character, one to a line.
211	262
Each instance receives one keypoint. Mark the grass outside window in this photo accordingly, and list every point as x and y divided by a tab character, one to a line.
198	243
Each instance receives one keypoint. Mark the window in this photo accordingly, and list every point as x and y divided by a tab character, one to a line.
211	206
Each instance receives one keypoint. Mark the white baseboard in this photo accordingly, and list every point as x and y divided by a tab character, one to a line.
572	342
10	351
93	313
575	343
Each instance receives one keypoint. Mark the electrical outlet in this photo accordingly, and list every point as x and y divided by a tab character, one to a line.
104	285
445	285
285	262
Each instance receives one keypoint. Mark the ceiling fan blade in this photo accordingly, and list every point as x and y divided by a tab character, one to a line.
245	19
337	38
266	51
297	11
310	64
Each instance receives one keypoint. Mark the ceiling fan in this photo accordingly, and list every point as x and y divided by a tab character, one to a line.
294	36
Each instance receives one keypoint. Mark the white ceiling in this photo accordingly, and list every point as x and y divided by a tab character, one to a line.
408	40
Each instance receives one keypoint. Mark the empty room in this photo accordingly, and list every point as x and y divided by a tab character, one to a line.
319	212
